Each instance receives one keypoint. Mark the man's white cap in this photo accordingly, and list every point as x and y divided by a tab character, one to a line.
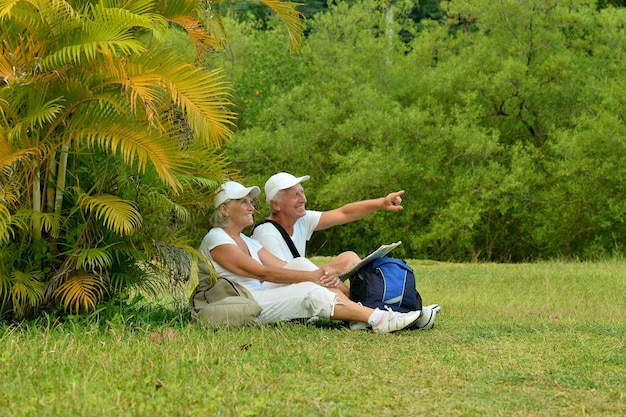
281	181
232	190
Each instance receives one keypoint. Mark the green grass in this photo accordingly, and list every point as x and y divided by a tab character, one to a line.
544	339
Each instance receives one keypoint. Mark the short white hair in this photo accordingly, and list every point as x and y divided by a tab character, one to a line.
276	198
218	219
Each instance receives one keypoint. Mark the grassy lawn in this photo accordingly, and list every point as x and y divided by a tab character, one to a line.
544	339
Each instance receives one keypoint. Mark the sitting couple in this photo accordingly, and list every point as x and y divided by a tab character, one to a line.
285	286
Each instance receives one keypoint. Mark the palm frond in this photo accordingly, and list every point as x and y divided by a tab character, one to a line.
6	6
36	114
26	291
21	219
138	144
143	87
24	219
21	67
148	283
209	169
140	7
46	222
6	69
199	182
170	261
159	201
132	15
5	221
93	259
81	292
8	157
117	214
42	112
202	95
171	9
50	17
8	253
292	18
105	31
202	38
199	261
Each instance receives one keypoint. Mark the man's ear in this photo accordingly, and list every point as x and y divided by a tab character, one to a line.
274	205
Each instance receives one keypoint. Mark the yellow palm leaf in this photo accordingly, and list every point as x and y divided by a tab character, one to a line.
144	146
93	258
9	157
5	220
201	94
26	291
47	222
81	292
118	214
201	38
292	18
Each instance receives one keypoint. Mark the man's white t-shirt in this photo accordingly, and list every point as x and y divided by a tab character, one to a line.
273	241
217	237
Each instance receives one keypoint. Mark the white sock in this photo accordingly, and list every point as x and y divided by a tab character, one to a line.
377	317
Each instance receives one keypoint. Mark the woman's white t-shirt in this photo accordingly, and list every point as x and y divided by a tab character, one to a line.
217	237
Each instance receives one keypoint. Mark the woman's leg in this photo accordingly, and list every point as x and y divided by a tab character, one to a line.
306	299
294	301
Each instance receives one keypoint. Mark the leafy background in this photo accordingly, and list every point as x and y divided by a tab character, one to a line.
504	123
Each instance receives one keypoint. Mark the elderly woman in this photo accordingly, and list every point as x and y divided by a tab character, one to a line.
302	293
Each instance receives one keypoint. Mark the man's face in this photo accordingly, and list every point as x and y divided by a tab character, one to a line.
292	202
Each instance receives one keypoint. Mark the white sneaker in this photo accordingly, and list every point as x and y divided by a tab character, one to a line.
427	320
394	321
358	325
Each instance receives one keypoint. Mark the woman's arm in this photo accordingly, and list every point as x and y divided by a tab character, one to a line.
237	262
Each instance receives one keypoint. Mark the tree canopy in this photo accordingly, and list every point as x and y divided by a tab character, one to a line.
503	121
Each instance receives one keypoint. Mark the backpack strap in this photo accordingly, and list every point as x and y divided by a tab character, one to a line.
285	236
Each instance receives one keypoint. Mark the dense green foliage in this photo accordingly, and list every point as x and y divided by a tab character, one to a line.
109	146
503	121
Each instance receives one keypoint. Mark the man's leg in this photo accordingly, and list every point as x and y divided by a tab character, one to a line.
344	261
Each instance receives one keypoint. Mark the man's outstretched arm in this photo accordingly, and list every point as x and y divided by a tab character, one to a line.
359	209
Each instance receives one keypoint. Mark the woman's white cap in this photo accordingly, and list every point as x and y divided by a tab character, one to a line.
232	190
281	181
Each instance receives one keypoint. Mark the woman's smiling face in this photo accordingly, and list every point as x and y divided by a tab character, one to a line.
242	211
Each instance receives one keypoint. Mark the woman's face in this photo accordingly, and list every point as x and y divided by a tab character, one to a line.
241	212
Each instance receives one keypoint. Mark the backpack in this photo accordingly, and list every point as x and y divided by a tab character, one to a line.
224	302
386	282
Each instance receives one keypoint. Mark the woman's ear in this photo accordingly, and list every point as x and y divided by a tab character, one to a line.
224	210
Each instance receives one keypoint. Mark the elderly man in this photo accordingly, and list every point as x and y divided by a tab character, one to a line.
285	195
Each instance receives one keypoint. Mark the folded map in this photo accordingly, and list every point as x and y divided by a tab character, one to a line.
378	253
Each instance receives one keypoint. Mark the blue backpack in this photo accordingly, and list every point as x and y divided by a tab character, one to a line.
386	282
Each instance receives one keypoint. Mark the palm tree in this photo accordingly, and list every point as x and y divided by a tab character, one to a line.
109	144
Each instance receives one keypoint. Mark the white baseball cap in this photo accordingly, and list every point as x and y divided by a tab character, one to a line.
232	190
281	181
